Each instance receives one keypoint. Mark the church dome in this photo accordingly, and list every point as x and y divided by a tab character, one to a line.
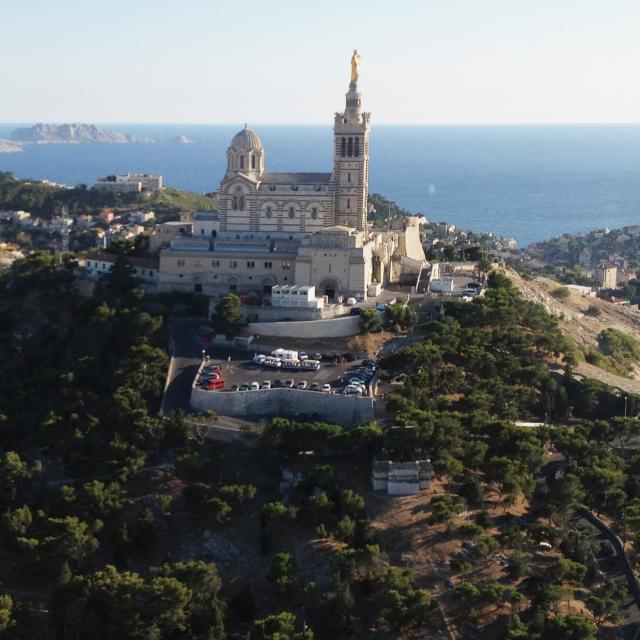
246	140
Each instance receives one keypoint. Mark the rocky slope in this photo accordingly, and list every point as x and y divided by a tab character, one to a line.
583	318
43	133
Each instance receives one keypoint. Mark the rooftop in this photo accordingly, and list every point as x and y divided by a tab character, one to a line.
205	215
274	178
147	263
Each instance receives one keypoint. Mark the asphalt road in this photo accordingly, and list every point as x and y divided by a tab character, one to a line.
613	569
186	356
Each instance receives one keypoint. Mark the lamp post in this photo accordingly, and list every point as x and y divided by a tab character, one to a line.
203	352
625	406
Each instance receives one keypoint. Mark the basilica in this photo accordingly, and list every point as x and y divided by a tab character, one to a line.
306	229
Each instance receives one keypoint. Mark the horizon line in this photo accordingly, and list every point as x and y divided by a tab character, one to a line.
321	124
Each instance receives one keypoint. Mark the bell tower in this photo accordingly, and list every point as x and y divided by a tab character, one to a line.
351	156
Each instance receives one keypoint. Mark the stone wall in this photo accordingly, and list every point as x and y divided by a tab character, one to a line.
332	328
275	314
333	408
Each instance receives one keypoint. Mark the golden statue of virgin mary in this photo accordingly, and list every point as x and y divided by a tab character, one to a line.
355	67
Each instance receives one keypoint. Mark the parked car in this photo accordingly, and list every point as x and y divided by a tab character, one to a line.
214	375
277	383
244	387
212	367
351	302
303	356
289	383
349	357
266	384
234	387
353	390
326	387
259	358
316	356
302	384
254	386
315	386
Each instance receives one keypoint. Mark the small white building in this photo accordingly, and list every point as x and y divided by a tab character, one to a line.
141	216
286	295
130	182
442	285
99	264
401	478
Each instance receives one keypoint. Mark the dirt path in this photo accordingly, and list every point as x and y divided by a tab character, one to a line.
590	371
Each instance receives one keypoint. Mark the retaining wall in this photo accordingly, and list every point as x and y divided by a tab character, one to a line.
332	328
334	408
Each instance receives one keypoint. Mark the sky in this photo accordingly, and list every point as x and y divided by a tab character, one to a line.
288	61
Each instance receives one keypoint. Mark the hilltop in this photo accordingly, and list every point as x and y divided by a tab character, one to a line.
44	200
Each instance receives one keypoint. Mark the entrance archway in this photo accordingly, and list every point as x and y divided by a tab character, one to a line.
329	287
232	284
267	283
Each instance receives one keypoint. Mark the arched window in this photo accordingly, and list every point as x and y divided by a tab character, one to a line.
201	232
349	176
242	162
292	212
344	147
253	162
234	203
269	212
356	151
350	147
314	213
241	203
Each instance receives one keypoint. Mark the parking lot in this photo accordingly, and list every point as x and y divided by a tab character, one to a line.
238	368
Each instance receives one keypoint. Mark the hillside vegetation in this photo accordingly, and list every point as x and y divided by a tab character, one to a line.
134	525
45	201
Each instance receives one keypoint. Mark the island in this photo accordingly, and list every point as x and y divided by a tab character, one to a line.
74	133
182	140
6	146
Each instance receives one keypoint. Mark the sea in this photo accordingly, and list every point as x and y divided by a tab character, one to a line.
528	182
